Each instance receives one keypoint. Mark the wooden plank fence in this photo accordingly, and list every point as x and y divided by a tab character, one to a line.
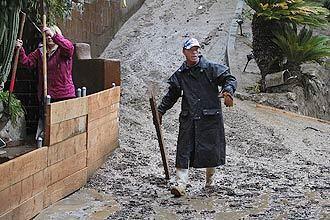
80	135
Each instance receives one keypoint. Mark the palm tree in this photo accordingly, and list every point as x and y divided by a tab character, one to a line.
299	48
266	53
271	15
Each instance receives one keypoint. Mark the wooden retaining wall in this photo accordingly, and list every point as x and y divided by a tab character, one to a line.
80	134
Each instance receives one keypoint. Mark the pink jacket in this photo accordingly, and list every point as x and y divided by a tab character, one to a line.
59	68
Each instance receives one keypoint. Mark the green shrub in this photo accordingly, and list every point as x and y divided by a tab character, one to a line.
302	46
9	22
326	4
15	108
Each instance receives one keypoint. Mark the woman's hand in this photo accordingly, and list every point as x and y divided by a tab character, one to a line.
19	43
48	31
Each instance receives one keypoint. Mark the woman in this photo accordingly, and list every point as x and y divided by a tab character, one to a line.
59	65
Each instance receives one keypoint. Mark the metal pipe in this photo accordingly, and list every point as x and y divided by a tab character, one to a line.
83	91
48	100
79	92
39	142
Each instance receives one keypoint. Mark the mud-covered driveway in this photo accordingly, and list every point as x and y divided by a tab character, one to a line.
277	164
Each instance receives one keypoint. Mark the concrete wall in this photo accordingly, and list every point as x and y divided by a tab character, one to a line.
98	22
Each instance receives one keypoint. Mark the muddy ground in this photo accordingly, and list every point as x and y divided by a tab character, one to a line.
277	164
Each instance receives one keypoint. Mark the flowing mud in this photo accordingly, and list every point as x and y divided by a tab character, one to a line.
277	167
277	164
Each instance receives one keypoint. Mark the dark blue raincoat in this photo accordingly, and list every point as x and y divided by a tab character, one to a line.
201	142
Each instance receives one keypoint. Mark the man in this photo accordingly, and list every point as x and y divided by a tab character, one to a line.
201	141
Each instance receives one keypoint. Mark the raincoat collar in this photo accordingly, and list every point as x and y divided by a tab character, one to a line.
201	64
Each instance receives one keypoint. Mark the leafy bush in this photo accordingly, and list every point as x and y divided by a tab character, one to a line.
299	48
326	4
56	9
298	11
303	46
15	108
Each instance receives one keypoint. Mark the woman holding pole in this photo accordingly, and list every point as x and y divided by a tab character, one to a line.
59	53
54	65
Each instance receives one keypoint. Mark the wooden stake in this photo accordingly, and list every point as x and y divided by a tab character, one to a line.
20	35
44	57
159	132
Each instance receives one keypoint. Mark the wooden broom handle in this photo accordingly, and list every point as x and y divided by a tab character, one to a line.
44	57
20	35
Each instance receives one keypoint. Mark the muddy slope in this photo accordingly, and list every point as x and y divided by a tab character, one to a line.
277	166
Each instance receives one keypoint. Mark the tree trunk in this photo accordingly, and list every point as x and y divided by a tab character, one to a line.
267	54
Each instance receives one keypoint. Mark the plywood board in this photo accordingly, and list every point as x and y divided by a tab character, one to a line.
67	167
102	133
28	164
98	151
103	112
5	203
103	99
21	167
7	216
101	142
290	114
110	117
40	181
111	73
66	129
29	208
92	167
65	149
18	193
65	187
68	109
5	174
21	191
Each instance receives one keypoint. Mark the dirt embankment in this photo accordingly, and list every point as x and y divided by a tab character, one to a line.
277	165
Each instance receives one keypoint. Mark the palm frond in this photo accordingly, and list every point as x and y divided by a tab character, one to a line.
303	46
298	11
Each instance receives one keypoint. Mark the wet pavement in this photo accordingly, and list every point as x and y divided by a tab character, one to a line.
84	204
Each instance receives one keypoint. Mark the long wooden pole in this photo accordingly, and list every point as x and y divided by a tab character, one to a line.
20	35
159	132
6	115
43	118
44	57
